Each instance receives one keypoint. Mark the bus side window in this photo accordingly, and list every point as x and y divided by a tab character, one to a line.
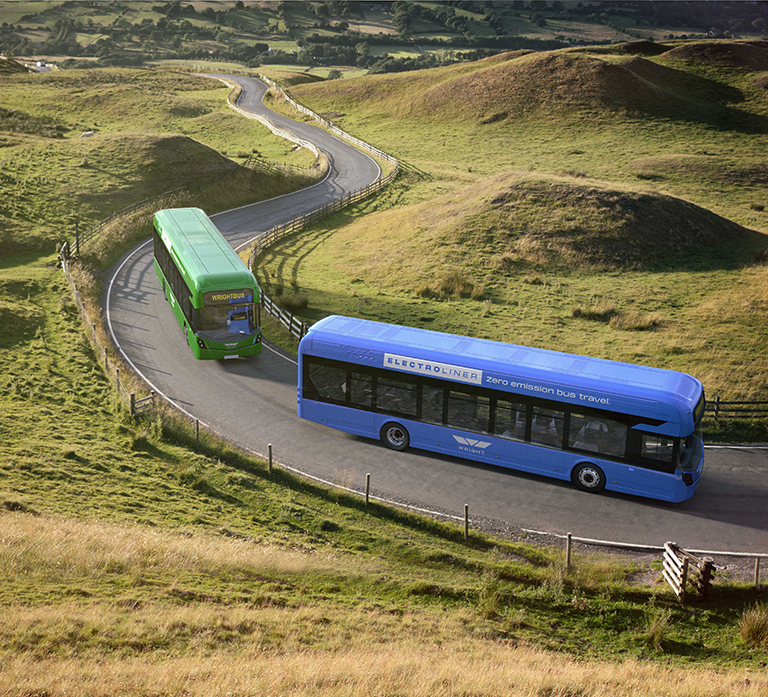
547	427
432	404
362	390
657	448
510	420
597	434
470	412
329	383
396	396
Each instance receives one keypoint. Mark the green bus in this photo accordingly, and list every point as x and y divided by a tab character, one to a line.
213	294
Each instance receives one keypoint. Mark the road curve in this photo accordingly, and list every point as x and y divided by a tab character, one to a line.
252	402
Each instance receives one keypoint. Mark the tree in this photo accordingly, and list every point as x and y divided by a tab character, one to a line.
335	74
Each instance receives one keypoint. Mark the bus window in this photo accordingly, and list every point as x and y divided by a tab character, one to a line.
468	411
510	420
657	448
432	404
547	427
329	383
597	434
396	396
231	319
361	390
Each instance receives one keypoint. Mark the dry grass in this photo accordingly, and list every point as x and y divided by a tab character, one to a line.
408	668
753	626
43	547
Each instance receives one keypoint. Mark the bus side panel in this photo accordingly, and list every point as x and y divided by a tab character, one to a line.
171	298
484	448
515	455
361	423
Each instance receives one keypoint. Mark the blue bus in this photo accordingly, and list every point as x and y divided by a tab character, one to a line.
600	424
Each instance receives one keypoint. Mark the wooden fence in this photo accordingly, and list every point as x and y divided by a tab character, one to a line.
287	319
676	565
290	321
720	408
199	182
111	367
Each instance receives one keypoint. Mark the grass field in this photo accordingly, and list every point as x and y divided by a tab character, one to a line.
639	191
136	561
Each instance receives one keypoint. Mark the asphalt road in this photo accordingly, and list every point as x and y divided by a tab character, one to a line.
252	402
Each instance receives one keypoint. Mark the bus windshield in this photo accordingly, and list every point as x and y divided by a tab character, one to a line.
221	321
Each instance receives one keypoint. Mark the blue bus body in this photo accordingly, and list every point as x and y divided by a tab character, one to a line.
599	423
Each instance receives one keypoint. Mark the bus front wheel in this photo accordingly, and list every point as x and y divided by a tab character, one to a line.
395	436
588	477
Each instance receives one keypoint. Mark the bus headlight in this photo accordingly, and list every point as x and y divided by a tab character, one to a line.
688	479
257	338
200	343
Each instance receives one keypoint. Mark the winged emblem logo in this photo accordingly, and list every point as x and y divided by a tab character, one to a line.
471	442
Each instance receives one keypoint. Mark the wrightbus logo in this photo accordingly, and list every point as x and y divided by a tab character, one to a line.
470	445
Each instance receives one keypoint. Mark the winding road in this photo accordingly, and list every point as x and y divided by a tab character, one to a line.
252	402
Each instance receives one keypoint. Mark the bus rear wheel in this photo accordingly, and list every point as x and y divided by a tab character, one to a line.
589	477
395	436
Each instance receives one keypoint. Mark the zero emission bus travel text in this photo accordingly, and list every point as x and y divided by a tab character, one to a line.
601	424
213	295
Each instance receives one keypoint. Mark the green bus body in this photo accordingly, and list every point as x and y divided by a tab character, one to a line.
213	294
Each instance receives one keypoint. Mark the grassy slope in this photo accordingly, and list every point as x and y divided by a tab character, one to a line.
637	194
130	558
175	126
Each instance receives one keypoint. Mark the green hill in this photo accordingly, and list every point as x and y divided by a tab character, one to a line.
135	560
750	56
623	172
517	224
537	85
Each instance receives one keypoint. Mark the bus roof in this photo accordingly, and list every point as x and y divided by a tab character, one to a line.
208	259
593	382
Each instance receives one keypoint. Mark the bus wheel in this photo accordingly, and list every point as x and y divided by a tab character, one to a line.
395	436
588	477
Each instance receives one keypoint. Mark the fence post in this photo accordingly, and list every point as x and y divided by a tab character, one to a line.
466	522
197	431
77	238
270	459
106	361
705	577
367	487
684	580
717	406
133	404
117	377
568	551
757	572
